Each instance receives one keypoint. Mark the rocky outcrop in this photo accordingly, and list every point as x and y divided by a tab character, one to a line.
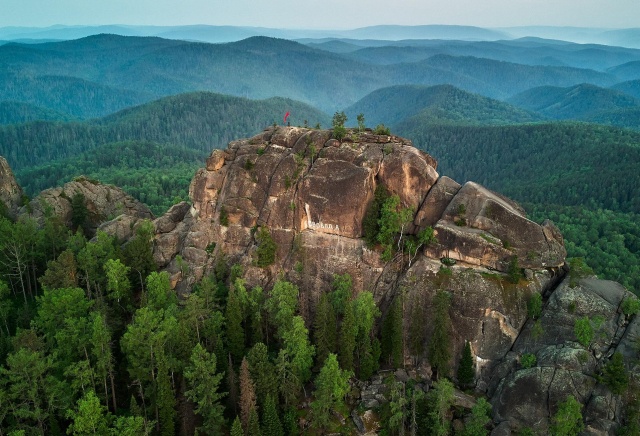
10	191
103	203
563	365
311	193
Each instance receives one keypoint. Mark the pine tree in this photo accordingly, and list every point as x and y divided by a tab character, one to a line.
440	343
392	334
324	329
165	400
568	419
465	368
247	395
332	384
263	373
235	331
253	428
236	428
271	425
203	382
347	338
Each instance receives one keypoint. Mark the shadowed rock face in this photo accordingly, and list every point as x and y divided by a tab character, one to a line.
103	202
10	191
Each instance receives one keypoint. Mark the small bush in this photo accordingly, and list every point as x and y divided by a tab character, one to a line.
447	261
267	248
514	272
460	222
631	306
381	129
583	331
528	360
224	217
248	165
260	151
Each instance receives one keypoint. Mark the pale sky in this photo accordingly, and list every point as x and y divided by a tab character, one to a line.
323	14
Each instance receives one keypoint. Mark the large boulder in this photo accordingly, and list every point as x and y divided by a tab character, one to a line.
103	203
10	191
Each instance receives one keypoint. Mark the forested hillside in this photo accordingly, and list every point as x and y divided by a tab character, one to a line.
442	103
156	174
12	112
198	121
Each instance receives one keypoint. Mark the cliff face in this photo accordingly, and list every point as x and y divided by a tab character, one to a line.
312	193
10	191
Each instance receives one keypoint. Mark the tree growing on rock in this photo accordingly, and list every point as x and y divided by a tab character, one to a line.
568	419
465	368
440	343
332	384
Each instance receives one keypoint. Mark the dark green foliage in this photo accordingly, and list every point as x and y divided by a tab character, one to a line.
79	211
271	425
203	381
466	374
614	374
631	306
392	338
578	269
156	174
234	328
534	306
381	130
417	329
236	428
324	331
514	272
524	163
370	225
583	331
567	421
339	131
440	342
608	241
341	293
224	217
480	417
267	248
263	373
347	338
254	424
332	384
528	360
441	104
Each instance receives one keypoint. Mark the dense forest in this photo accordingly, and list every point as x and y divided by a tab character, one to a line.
199	121
93	340
156	174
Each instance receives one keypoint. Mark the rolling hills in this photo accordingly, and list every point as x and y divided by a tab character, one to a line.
575	102
436	104
198	121
105	73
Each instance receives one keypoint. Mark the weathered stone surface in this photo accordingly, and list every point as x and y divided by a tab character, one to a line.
564	366
436	202
103	202
480	227
10	191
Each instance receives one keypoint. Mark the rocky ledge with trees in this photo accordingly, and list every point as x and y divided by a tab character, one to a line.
306	267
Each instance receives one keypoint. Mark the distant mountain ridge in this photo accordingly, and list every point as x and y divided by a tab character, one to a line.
575	102
212	33
126	71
